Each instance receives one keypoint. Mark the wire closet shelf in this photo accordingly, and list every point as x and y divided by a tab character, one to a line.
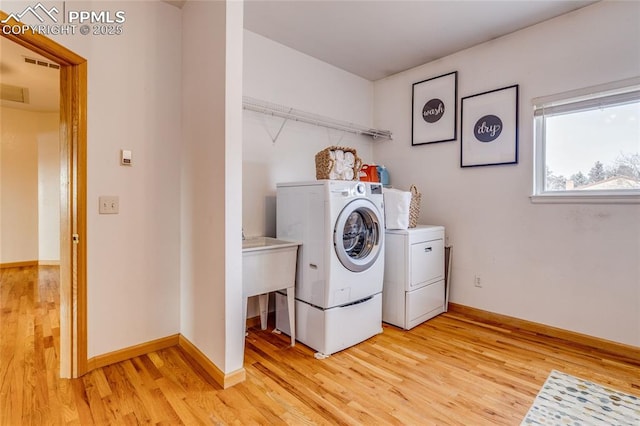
289	113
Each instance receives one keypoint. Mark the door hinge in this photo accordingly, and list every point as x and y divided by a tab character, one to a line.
75	238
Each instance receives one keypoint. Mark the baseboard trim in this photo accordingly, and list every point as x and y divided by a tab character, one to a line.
253	321
25	263
132	352
224	380
582	342
19	264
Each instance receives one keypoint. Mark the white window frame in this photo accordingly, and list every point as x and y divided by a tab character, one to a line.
606	94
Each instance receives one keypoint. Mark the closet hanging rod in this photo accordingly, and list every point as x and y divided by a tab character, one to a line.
288	113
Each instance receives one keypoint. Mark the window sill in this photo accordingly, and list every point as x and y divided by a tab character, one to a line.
581	198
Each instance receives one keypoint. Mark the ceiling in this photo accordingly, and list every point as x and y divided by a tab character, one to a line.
41	81
375	39
372	39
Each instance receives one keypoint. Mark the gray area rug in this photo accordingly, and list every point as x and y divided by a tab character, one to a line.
568	400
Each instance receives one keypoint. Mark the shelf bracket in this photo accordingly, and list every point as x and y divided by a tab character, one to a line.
274	139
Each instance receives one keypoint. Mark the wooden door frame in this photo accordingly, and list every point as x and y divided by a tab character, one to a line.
73	199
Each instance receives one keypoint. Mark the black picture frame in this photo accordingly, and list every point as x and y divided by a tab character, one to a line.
489	128
434	109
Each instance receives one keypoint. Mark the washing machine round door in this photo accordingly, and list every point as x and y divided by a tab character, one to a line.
357	236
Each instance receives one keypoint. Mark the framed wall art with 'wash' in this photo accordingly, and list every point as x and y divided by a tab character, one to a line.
434	109
489	123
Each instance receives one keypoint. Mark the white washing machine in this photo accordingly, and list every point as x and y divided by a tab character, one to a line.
340	267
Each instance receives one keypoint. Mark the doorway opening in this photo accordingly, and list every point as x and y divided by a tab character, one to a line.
73	144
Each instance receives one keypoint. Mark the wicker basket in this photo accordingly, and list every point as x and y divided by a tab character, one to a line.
414	207
324	163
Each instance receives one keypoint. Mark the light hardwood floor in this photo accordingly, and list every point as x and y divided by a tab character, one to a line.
452	370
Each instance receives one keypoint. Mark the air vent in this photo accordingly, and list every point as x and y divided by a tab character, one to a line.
14	93
41	63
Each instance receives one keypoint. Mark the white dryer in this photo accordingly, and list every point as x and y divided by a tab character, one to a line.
340	267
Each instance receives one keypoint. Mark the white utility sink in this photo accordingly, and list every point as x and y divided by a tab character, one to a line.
269	264
265	243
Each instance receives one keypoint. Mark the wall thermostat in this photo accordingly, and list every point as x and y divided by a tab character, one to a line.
125	157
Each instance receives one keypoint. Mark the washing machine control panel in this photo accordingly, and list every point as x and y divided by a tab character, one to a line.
355	189
376	188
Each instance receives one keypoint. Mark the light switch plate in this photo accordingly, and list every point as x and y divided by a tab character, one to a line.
109	204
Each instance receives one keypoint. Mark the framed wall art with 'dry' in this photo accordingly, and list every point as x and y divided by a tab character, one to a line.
489	123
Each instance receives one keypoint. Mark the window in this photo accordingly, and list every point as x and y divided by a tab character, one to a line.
588	145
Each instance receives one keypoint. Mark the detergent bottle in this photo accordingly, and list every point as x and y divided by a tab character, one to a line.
383	175
369	173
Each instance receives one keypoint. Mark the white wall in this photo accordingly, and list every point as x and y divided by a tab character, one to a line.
30	190
49	187
19	185
280	75
134	102
211	181
570	266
